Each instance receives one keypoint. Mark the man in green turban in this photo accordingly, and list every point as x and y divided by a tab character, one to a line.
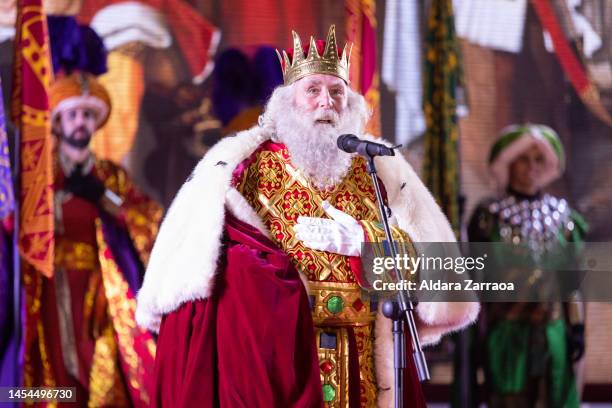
530	347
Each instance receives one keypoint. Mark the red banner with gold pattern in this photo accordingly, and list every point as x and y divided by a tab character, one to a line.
361	31
572	67
136	345
31	114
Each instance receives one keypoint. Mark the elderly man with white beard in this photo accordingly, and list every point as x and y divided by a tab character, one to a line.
254	280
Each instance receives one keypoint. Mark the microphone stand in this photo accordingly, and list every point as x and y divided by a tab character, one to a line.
401	311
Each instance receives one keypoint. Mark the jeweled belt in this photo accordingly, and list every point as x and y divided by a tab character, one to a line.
340	304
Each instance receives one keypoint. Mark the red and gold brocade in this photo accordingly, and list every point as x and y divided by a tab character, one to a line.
140	214
80	329
280	193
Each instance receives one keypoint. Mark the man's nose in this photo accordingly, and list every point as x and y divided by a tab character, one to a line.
325	100
79	119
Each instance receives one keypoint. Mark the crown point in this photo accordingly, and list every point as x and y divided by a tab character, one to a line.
313	53
331	52
329	62
298	53
287	62
280	59
348	54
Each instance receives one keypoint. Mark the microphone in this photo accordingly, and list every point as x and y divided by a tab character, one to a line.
351	144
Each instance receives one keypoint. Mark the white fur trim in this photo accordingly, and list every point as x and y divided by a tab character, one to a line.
438	318
413	206
83	101
241	209
122	23
184	257
433	320
418	214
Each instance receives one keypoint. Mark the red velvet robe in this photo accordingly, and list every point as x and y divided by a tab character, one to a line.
250	344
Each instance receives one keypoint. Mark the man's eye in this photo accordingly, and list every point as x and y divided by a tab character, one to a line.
313	90
336	92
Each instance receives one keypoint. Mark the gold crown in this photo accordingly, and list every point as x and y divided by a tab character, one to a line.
329	63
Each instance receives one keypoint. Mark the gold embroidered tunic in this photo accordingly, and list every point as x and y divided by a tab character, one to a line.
343	315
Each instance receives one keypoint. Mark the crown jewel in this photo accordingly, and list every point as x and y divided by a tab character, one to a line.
328	63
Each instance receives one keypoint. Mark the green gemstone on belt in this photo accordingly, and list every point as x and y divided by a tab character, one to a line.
329	393
335	304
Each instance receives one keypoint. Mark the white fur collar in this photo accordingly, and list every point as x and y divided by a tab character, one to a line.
184	258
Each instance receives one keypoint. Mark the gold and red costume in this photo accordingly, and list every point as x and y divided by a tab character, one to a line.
343	314
80	329
222	285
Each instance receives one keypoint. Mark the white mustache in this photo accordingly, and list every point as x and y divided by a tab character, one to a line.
330	115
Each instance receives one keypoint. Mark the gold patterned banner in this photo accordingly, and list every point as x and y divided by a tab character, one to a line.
135	345
33	74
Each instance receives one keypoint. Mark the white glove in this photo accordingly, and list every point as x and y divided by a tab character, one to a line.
342	235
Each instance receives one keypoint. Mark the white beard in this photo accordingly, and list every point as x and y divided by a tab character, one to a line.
312	146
